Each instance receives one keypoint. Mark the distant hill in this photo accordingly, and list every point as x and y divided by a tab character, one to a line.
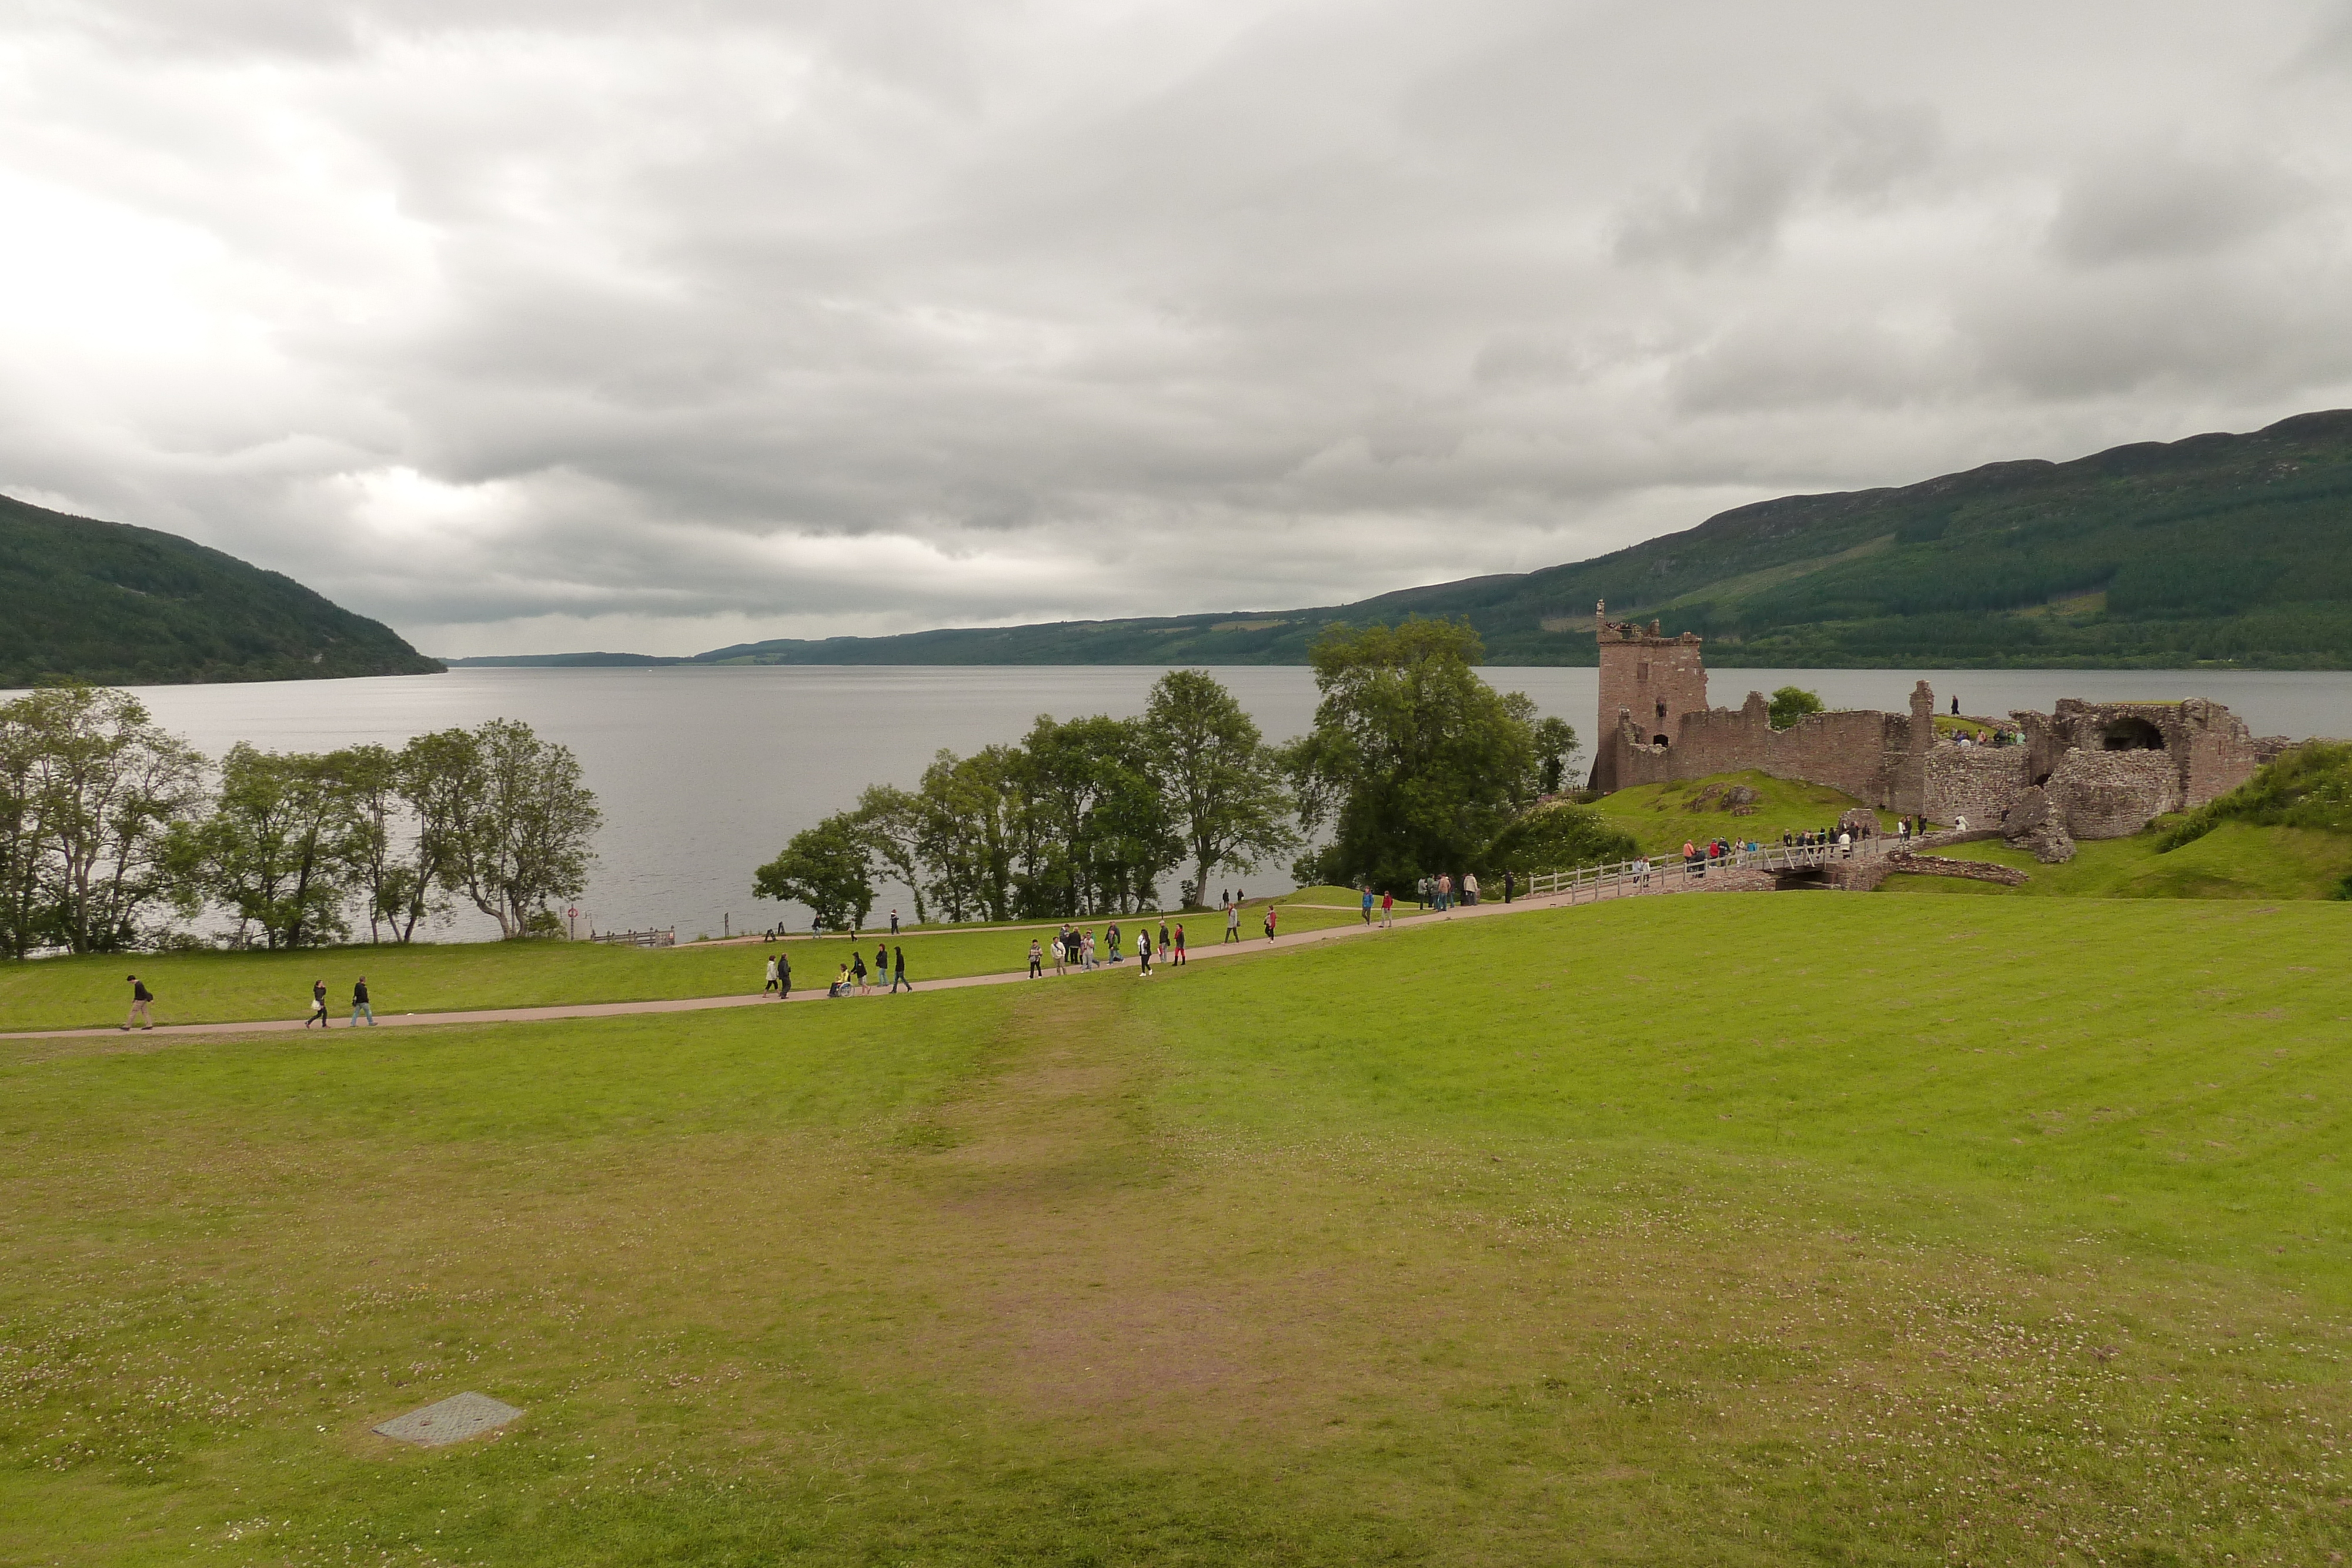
2216	550
130	606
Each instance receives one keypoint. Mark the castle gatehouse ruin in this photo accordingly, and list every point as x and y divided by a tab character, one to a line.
2087	770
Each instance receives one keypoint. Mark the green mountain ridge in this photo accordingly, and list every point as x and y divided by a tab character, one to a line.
2222	548
122	605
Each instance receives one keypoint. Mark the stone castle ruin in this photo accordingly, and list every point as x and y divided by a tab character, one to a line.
2088	770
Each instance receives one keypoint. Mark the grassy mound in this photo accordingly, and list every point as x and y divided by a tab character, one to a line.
2235	860
1660	817
1923	1232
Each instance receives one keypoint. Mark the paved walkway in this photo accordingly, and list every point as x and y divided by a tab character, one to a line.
1221	950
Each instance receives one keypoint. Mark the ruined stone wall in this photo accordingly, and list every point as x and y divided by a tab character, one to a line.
1979	782
2115	794
1867	754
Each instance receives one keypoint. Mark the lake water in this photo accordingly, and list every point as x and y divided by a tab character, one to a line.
705	773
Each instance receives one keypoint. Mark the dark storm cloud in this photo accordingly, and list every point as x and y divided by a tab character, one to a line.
526	324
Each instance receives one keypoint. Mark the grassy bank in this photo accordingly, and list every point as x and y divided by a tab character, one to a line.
1663	817
204	987
1703	1231
2235	860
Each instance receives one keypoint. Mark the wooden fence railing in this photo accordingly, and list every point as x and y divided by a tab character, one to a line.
1669	873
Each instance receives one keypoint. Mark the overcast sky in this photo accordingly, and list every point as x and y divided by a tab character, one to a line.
540	325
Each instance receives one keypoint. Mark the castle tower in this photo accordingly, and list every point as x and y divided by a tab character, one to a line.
1647	676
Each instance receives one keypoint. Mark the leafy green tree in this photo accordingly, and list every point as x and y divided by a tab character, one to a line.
827	868
890	821
1791	704
95	788
1096	837
1556	746
23	841
522	823
1415	762
276	850
1223	784
400	838
1557	837
973	811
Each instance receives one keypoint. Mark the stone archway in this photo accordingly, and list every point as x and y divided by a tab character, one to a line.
2130	734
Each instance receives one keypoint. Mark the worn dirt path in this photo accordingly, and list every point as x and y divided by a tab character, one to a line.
1252	942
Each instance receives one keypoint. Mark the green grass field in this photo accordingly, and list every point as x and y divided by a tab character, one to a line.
1662	817
205	987
2235	860
1709	1230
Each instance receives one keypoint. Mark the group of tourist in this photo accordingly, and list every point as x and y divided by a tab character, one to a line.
1442	892
1073	948
142	1005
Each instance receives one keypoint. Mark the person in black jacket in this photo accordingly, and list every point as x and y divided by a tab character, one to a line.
360	1003
141	998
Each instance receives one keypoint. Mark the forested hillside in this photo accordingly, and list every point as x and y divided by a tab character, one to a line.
115	604
2228	549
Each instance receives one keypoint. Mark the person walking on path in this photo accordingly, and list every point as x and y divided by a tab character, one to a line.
1037	960
1062	950
1271	910
1368	904
881	965
893	923
141	1000
898	970
1470	889
1388	908
1163	938
857	972
771	978
318	1005
1143	954
1110	940
1085	951
1179	944
1232	921
1510	884
360	1003
784	978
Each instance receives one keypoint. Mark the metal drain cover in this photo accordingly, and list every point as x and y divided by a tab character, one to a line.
452	1420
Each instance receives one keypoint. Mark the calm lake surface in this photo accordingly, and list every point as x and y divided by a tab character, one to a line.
704	773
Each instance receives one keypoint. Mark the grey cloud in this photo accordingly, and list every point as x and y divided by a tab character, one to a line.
1751	176
740	319
2159	202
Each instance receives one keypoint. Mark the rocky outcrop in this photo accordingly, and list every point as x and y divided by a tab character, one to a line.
2035	824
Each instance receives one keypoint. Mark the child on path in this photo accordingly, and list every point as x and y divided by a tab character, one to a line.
1037	960
1368	904
360	1003
141	996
